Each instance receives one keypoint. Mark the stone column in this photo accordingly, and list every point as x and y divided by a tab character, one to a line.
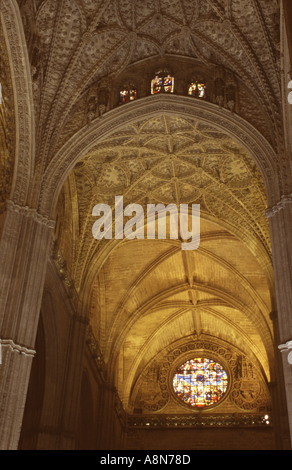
24	248
112	419
278	394
280	218
72	383
107	415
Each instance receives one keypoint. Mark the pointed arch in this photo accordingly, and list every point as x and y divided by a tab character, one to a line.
15	42
240	130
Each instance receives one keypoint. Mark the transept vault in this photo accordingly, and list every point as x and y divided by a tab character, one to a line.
127	343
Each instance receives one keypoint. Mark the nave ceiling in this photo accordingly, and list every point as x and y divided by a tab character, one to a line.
144	295
76	44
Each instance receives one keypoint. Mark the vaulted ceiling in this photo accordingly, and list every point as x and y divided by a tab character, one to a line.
146	294
74	43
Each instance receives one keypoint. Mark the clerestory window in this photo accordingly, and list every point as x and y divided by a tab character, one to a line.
197	89
128	93
163	82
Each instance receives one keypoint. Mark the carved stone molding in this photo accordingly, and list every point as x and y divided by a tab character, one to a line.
95	351
20	71
9	343
247	389
7	123
286	199
287	347
100	128
30	213
84	47
121	414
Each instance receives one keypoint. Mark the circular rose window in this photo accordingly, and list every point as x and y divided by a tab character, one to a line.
200	382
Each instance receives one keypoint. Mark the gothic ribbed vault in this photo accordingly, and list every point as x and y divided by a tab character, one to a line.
146	295
107	323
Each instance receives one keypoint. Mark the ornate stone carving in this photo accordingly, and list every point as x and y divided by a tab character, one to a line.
95	351
9	343
247	389
30	212
286	199
7	124
84	43
152	397
91	104
22	91
245	134
248	392
287	347
228	187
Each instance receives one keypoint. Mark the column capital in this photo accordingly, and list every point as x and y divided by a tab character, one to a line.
287	347
17	347
285	199
30	213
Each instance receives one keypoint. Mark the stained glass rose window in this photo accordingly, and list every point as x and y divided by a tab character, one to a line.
200	382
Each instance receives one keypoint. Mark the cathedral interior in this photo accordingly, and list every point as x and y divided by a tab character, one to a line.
134	343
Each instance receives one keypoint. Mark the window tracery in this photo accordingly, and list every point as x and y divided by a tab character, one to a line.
200	382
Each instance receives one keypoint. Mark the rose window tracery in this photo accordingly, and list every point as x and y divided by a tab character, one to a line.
200	382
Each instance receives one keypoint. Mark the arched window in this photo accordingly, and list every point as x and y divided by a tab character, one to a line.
197	88
163	82
128	93
200	382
